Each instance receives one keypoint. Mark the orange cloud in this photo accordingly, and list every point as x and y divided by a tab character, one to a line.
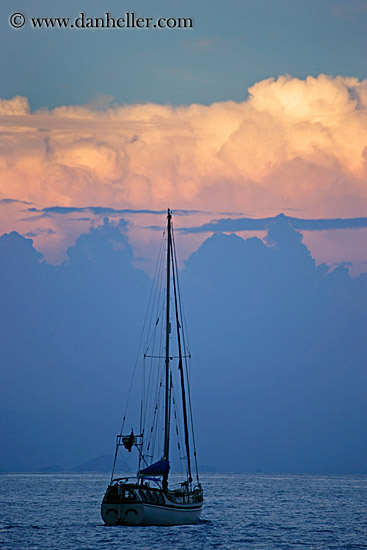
292	145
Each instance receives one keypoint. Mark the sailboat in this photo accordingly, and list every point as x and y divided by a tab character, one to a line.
149	498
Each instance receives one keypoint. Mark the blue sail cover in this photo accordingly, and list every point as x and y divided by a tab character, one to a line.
157	469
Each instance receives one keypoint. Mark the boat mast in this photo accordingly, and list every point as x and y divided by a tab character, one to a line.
168	330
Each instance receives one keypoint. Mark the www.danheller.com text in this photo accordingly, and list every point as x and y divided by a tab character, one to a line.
128	20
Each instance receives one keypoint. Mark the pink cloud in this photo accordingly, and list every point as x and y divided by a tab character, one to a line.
292	145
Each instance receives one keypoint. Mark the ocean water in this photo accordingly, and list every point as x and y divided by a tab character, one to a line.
259	511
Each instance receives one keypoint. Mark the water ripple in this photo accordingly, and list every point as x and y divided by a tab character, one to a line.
242	511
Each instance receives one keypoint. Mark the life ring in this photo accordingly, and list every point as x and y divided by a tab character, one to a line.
112	516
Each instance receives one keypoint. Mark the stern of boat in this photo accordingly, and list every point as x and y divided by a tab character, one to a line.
121	505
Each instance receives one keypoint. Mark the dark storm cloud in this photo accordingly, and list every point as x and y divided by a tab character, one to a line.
40	231
278	348
261	224
103	211
13	201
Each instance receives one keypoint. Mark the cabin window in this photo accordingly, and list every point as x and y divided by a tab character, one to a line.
129	495
142	495
155	497
161	499
112	490
149	496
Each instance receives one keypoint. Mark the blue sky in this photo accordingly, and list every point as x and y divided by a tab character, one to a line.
232	45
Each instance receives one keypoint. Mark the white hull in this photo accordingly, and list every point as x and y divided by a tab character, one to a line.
134	511
149	514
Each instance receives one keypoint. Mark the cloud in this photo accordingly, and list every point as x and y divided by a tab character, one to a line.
13	201
351	9
39	231
292	144
261	224
278	344
101	210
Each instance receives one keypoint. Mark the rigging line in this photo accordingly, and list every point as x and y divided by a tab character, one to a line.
128	470
139	450
156	285
154	381
141	457
136	361
191	420
154	365
185	339
178	427
183	323
151	375
160	366
158	307
192	425
114	463
152	431
153	397
146	394
156	407
180	366
150	336
155	310
157	434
